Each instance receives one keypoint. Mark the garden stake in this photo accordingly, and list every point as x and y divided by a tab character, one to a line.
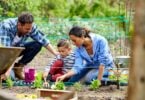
118	75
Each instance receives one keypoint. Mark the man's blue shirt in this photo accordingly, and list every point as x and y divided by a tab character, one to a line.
8	31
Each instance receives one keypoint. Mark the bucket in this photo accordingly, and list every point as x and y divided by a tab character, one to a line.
29	74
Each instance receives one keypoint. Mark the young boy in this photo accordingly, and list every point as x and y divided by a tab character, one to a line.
60	64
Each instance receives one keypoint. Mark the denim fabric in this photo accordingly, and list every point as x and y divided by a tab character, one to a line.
12	75
88	75
31	49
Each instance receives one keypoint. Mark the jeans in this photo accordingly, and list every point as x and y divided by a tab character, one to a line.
31	49
87	75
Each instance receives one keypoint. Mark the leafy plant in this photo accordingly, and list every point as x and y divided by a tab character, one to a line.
9	82
112	77
78	86
95	84
38	80
58	86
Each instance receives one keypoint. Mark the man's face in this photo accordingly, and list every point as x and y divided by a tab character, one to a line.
24	29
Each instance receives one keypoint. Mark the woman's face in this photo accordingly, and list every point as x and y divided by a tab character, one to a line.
77	41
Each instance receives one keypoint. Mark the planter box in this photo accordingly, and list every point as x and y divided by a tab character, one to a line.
56	94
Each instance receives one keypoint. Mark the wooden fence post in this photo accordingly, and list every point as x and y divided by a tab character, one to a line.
136	88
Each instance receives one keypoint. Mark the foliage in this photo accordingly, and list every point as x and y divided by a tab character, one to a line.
123	78
38	80
9	82
112	77
63	8
78	86
95	84
58	86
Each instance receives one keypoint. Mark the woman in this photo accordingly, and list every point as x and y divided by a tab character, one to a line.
93	58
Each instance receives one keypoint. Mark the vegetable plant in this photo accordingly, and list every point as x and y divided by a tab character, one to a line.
95	84
9	82
78	86
58	86
38	80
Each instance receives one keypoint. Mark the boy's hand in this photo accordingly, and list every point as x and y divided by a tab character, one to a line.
46	85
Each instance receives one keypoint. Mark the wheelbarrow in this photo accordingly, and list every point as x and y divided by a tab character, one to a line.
7	57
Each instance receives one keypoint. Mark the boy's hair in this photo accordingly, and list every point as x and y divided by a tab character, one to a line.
63	43
25	17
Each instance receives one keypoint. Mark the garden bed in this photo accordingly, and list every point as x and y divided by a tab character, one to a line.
103	93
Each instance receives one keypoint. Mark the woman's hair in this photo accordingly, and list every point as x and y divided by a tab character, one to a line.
79	31
63	43
25	17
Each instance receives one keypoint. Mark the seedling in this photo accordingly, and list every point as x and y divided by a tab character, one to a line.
9	82
95	84
58	86
78	86
38	80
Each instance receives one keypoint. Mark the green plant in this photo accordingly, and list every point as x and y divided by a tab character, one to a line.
9	82
38	80
58	86
78	86
95	84
112	77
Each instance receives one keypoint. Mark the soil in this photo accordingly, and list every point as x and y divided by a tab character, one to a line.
103	93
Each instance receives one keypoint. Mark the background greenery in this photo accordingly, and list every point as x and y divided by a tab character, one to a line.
110	18
64	8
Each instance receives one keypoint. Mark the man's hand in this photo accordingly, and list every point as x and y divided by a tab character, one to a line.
4	76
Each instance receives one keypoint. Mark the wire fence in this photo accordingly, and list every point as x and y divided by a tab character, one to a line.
115	29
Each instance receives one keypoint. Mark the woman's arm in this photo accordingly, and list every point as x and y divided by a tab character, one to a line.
65	76
101	71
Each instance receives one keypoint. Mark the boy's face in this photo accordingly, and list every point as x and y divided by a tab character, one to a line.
64	51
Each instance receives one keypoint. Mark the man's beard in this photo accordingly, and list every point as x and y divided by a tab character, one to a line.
20	34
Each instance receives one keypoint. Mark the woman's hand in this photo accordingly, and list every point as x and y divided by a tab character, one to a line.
61	78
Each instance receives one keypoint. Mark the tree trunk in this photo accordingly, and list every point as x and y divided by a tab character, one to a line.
136	89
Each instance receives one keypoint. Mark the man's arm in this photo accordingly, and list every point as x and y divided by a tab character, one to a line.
51	49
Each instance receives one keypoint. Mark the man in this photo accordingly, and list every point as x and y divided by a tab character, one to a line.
15	32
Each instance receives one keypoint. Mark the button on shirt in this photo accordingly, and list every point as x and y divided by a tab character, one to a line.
8	31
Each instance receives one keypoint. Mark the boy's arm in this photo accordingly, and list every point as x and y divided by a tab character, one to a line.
47	68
